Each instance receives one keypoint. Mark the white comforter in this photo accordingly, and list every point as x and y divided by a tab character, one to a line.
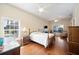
41	38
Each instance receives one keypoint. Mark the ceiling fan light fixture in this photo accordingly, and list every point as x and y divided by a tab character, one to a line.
55	20
41	9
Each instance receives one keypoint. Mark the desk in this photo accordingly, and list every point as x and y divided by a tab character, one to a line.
10	47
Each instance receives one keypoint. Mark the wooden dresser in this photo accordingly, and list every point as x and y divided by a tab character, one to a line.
73	37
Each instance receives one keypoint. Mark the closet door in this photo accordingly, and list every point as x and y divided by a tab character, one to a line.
74	39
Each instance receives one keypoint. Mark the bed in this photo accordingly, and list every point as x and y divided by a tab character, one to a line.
44	39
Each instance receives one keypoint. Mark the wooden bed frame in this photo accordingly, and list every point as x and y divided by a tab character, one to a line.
50	40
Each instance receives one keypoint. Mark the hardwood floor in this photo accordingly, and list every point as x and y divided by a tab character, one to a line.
60	47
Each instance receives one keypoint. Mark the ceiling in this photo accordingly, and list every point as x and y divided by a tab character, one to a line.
48	11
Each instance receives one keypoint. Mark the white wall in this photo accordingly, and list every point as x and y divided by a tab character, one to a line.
27	20
75	19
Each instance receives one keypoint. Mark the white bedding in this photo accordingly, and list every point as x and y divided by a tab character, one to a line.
41	38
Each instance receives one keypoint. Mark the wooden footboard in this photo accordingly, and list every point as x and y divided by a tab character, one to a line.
51	41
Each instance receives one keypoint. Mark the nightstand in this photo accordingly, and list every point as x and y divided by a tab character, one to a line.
26	40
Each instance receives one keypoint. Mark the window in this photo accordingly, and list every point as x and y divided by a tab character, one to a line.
58	28
11	27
